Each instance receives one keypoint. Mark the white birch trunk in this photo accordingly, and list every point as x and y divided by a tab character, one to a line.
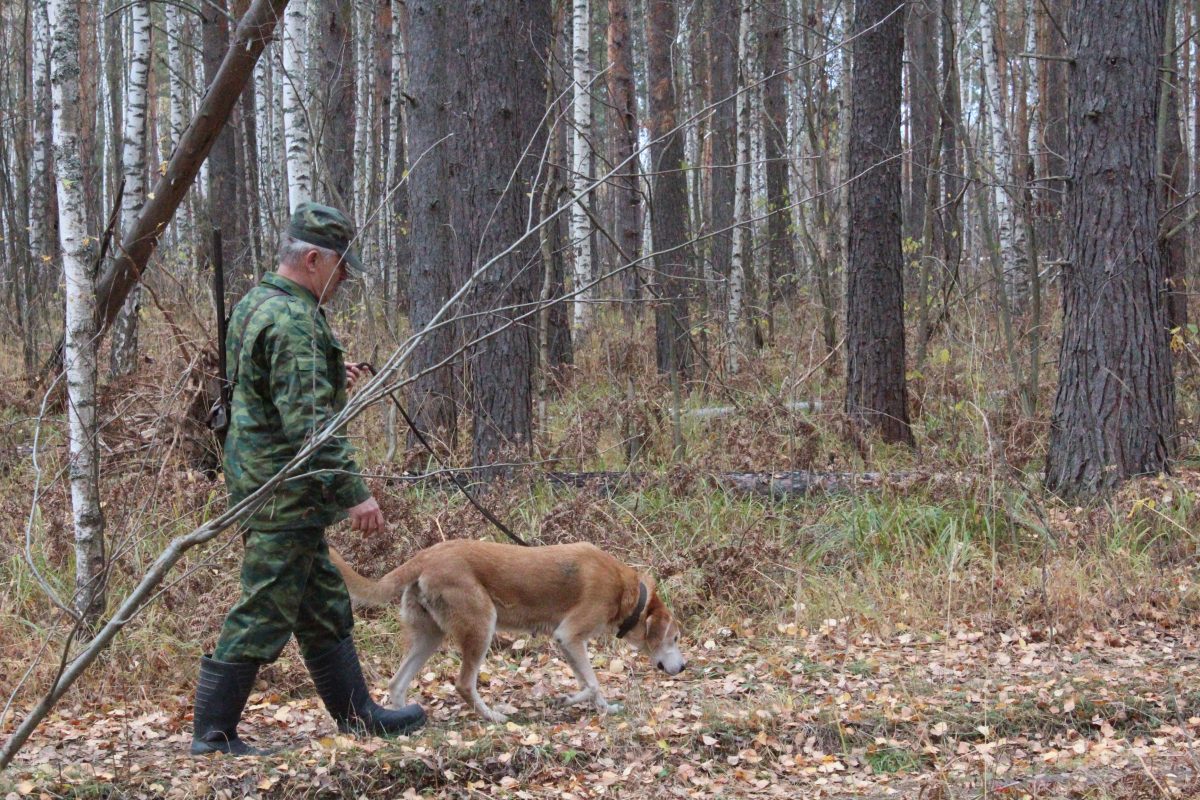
362	113
40	178
79	343
295	97
179	111
123	356
1010	231
741	198
581	116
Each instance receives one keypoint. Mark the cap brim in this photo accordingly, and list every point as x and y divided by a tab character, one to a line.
351	258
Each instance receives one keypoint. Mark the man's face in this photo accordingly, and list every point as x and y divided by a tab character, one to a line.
328	269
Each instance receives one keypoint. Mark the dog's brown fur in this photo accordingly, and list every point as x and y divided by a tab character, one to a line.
468	589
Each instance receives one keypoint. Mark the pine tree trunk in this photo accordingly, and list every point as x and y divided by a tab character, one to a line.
501	82
80	343
781	256
123	355
622	95
1172	169
723	151
673	259
921	40
433	271
876	391
581	119
333	21
224	210
1114	413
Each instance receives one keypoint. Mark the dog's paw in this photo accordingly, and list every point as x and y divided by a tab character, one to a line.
496	716
605	707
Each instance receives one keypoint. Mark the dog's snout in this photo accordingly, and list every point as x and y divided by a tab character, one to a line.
682	666
662	666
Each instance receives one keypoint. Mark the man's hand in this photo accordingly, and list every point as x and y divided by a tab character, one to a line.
354	373
367	517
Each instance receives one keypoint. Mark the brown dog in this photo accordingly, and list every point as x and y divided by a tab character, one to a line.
468	589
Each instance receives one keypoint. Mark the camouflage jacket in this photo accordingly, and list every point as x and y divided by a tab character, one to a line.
290	379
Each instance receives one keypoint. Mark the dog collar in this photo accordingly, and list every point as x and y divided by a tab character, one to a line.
628	623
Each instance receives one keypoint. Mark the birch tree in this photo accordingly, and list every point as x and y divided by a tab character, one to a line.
80	342
42	246
123	356
741	195
295	124
581	178
1006	194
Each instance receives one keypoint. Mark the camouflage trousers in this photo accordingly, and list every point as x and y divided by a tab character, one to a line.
289	586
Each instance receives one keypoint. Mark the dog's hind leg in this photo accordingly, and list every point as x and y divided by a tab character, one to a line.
472	623
426	636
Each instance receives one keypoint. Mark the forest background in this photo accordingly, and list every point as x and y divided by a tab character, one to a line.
864	325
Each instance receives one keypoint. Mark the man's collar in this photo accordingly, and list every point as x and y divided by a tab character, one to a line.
635	615
290	286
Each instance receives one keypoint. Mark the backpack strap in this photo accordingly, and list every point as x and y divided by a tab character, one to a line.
237	362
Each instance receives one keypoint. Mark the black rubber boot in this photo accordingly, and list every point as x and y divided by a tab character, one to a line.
221	695
342	689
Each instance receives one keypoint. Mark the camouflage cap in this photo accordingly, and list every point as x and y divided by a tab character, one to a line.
325	227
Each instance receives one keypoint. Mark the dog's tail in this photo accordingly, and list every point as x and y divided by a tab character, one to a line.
365	592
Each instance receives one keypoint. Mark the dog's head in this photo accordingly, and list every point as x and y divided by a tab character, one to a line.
657	634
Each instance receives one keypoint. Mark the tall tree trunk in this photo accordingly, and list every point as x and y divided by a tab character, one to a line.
876	391
43	244
224	211
921	39
781	257
433	272
1052	122
296	105
123	355
668	205
581	151
1172	169
500	80
1114	413
180	108
740	252
1006	193
80	345
622	95
334	31
725	26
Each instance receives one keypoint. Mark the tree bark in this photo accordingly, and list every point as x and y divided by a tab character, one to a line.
433	274
623	97
334	30
123	355
735	340
781	256
668	207
581	151
724	29
876	391
1114	413
80	344
1172	169
921	39
296	105
225	210
501	51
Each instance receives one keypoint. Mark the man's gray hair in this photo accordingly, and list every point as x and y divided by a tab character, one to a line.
291	249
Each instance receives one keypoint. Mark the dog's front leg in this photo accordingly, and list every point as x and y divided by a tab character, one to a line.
575	652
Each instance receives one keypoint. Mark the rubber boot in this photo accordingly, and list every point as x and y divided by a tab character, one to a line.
221	695
340	684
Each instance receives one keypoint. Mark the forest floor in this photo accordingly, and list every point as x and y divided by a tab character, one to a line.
764	709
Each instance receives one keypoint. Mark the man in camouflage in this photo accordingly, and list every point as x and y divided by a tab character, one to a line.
289	378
